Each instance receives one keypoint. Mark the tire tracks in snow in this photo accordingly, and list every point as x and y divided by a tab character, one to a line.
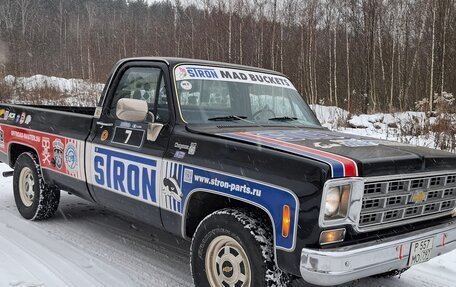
60	264
107	239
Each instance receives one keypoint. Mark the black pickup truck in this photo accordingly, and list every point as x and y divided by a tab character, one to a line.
232	158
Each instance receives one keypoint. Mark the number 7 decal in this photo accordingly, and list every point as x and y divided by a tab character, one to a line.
128	132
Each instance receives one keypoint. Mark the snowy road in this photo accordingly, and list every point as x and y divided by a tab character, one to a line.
86	245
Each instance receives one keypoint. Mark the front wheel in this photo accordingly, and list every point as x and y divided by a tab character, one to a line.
233	248
34	199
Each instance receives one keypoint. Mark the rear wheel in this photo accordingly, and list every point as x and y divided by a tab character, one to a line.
34	199
233	248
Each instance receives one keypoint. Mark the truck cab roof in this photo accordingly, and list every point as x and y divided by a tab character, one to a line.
173	61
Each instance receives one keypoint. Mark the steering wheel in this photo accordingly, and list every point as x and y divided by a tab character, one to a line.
266	113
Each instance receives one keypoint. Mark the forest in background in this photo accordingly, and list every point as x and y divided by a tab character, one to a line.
361	55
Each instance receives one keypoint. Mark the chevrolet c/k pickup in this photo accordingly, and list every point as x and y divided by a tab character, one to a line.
233	159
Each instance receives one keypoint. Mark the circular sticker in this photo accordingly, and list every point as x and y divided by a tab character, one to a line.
71	157
186	85
104	135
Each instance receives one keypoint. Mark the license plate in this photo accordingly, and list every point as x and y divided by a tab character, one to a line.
421	251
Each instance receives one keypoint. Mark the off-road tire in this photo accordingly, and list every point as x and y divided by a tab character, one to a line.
253	235
46	199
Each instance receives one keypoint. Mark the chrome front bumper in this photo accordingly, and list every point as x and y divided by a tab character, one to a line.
328	267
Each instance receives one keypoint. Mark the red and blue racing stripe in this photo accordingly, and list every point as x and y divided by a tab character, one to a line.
340	166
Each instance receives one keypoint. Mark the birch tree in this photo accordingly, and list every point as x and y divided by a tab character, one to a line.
431	88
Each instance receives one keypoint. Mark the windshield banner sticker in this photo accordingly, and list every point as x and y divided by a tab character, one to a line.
189	72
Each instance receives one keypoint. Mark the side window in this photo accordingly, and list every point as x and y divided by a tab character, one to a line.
143	83
162	111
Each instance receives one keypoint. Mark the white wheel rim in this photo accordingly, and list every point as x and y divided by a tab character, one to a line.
227	264
26	184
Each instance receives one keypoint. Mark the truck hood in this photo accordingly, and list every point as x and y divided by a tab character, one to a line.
347	155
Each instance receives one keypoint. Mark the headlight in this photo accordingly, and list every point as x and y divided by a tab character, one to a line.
332	201
341	202
337	201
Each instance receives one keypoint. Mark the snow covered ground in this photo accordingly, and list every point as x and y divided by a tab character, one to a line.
87	245
42	89
62	85
407	127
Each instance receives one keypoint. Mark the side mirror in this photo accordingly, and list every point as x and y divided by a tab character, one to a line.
132	110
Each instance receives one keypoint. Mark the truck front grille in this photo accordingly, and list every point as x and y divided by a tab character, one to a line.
406	200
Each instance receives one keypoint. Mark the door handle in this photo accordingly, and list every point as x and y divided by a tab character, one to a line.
105	124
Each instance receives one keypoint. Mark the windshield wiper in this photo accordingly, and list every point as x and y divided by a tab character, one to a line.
227	118
283	119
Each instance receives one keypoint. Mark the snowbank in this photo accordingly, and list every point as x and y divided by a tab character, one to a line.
407	127
41	89
330	116
67	86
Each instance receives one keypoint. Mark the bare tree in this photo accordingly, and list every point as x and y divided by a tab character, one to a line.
431	89
360	54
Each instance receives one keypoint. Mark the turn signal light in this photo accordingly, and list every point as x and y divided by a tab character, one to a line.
286	221
453	213
332	236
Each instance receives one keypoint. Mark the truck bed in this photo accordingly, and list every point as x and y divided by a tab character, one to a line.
55	134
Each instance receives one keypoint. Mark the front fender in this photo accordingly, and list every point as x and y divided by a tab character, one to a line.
269	198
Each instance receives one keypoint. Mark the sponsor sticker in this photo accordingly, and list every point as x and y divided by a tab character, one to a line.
191	149
2	139
71	157
98	111
104	135
179	154
188	175
181	73
28	119
46	145
11	116
22	120
25	136
125	125
130	175
58	149
187	72
171	188
180	180
186	85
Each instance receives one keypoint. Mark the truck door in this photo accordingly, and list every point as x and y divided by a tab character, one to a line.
123	165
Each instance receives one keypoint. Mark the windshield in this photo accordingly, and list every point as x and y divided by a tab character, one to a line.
208	94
